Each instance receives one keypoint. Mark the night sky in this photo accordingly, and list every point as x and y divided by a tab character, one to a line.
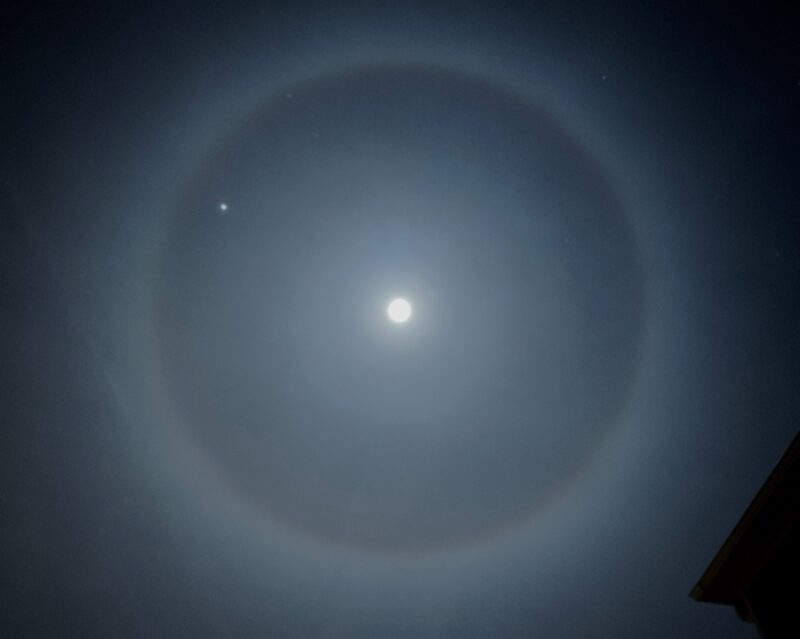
209	426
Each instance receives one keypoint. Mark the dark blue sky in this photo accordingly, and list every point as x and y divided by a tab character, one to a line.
210	429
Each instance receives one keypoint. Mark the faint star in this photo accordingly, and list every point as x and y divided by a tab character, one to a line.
223	207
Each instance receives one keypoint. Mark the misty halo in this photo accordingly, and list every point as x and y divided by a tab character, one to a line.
309	421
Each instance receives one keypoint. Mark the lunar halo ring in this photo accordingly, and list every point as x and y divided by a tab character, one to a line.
204	459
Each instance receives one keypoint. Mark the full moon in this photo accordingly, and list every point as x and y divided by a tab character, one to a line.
399	310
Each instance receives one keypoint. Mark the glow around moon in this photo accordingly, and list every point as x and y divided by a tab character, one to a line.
420	211
399	310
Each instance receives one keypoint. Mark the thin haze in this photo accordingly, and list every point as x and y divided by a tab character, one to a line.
210	428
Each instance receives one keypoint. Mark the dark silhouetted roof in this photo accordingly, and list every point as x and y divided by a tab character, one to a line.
765	538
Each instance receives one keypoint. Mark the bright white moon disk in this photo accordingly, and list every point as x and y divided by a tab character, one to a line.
399	310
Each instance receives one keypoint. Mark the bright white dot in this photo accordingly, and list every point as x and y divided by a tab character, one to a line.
399	310
223	206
